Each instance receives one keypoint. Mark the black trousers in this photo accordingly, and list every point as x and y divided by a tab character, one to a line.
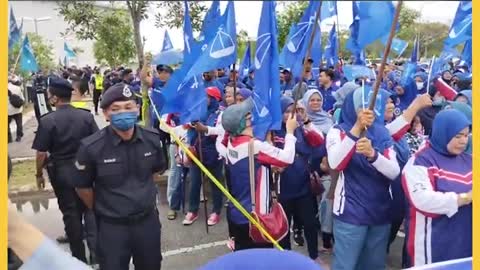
72	211
118	242
18	121
241	235
303	208
96	98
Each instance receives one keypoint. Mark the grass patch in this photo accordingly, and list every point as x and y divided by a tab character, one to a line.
23	175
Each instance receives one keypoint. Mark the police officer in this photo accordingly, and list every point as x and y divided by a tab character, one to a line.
115	177
59	133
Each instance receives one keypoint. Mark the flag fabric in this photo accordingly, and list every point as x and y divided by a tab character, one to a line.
415	51
331	48
441	63
68	51
467	52
246	61
328	10
27	57
445	90
186	97
266	95
359	58
14	34
352	72
221	49
379	108
352	43
398	46
374	21
210	20
299	36
167	43
461	29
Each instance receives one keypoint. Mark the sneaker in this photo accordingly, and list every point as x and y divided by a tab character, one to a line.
298	238
190	218
63	239
231	244
213	219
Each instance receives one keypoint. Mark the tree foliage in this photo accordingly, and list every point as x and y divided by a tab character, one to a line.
82	18
114	39
42	49
285	19
173	14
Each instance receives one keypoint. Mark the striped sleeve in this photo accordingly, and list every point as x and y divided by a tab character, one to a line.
445	90
418	187
398	128
313	136
271	155
340	148
387	164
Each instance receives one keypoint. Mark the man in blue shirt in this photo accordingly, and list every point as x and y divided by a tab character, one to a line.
288	83
327	88
233	74
210	79
308	77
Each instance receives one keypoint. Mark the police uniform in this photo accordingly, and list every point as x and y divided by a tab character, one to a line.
120	174
59	133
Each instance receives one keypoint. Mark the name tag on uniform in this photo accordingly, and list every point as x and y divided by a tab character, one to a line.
147	154
233	153
110	160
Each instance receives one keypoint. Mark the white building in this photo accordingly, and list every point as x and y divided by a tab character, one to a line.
51	28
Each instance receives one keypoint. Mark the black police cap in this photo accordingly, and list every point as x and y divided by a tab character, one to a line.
60	87
117	92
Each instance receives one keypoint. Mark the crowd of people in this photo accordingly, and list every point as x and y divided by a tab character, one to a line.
338	171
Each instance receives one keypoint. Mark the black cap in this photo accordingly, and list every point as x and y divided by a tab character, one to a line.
125	72
166	68
60	87
117	92
309	60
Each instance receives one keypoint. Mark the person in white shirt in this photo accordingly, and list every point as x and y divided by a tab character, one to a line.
14	110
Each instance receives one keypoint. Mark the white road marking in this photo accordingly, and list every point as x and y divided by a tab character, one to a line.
194	248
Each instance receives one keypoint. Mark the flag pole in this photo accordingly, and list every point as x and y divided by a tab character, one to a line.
307	56
18	56
376	86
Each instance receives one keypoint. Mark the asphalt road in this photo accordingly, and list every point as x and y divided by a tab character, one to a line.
183	247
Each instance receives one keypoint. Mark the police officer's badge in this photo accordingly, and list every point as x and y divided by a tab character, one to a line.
397	111
126	91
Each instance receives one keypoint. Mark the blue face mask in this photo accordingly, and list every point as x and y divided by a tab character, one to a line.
124	121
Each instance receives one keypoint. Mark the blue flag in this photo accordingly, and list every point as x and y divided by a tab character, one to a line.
328	10
221	49
374	20
352	72
266	95
352	43
27	57
415	51
441	63
298	39
186	97
379	108
467	52
68	51
210	20
398	46
14	33
167	43
246	61
331	49
461	29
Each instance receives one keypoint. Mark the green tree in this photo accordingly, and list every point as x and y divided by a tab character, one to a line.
42	49
290	15
242	39
173	14
108	47
431	37
82	18
408	20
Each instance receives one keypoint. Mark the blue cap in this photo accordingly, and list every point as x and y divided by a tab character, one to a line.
59	87
262	259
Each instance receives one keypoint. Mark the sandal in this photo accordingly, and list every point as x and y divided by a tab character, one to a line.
171	215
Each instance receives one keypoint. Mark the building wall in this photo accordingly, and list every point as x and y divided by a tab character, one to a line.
51	29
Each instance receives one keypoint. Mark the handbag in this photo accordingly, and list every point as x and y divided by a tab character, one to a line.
275	220
15	100
316	184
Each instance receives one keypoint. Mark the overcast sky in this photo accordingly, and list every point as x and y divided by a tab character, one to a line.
248	15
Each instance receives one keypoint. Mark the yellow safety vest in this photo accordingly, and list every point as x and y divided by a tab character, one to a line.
98	82
79	104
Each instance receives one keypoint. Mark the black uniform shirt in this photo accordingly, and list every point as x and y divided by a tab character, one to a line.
120	172
60	132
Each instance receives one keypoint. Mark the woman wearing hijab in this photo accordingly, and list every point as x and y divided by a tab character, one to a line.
421	79
447	77
467	111
438	184
295	194
210	159
312	101
242	94
362	201
464	96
